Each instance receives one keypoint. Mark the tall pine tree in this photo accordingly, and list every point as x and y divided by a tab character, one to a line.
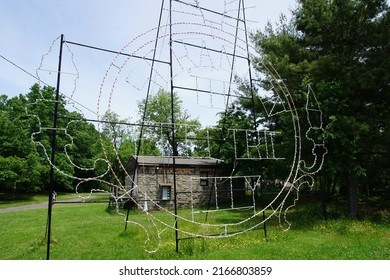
342	49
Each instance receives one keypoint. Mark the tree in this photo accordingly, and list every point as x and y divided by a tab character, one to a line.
119	131
20	165
219	141
115	146
26	123
341	48
156	123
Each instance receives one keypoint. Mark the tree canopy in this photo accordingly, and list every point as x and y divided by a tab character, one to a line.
26	143
82	151
341	48
158	123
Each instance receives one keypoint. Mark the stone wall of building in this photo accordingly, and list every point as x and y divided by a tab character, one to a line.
192	190
196	185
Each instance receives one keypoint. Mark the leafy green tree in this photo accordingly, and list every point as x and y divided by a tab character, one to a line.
20	165
115	146
156	122
342	49
219	141
39	111
26	136
119	131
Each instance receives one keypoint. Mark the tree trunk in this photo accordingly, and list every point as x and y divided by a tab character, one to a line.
323	196
352	196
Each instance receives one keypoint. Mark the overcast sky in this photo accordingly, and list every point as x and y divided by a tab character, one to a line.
28	29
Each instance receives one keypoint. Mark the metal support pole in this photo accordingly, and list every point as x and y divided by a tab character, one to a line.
174	146
252	94
263	205
53	148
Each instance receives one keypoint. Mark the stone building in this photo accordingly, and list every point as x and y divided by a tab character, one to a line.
197	182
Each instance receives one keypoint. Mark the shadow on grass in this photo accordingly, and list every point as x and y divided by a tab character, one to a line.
9	198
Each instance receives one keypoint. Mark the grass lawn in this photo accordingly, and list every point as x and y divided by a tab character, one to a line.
88	231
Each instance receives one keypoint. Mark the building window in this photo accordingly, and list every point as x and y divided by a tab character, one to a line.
204	180
166	191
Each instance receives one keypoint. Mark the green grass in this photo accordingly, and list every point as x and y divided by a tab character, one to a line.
89	231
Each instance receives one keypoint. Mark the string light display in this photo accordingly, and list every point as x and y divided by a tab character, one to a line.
203	55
